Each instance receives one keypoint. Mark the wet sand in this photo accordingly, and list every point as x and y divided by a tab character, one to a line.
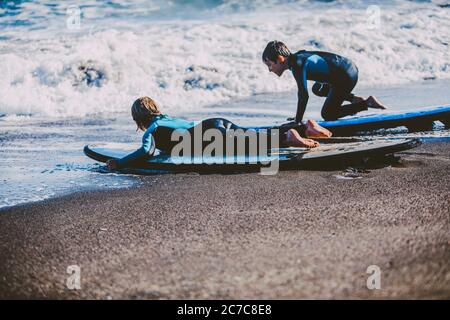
298	234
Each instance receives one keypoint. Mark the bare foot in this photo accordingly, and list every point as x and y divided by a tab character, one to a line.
357	99
314	130
373	102
293	139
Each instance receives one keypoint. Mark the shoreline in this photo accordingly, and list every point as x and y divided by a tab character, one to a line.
298	234
44	158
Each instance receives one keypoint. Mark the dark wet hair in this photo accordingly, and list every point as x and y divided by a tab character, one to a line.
143	111
274	49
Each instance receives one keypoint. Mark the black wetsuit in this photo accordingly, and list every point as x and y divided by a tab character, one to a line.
159	135
335	78
162	135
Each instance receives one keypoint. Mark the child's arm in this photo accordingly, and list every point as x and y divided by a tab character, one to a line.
147	149
300	78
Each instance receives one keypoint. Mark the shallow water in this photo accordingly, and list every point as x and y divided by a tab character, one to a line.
42	158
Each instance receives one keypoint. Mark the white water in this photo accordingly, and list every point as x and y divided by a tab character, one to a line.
187	57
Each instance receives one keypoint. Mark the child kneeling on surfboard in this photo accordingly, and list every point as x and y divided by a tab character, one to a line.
158	129
335	77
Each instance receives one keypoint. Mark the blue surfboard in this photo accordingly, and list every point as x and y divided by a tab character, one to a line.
417	120
331	152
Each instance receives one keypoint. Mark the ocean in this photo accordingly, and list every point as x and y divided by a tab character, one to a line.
71	70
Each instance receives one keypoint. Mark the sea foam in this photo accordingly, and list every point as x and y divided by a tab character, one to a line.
191	57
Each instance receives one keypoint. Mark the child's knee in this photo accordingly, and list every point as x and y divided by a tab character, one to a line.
320	89
328	115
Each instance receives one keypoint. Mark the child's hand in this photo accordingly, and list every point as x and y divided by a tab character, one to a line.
112	164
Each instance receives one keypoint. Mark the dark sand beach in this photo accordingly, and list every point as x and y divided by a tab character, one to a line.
298	234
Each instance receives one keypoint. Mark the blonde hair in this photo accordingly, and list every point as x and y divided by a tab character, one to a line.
143	110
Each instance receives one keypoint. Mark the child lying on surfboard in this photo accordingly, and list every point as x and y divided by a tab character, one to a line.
158	129
335	77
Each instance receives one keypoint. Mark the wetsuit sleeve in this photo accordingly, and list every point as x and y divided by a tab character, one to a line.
300	78
147	149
